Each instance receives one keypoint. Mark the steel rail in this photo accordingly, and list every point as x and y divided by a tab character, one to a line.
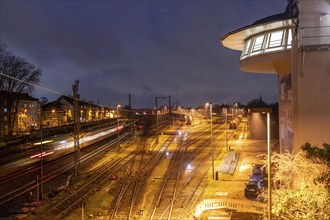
50	176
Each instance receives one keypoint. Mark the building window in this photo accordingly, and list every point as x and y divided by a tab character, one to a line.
289	40
246	48
257	44
275	40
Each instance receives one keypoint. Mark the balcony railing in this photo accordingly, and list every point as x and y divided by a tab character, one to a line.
314	37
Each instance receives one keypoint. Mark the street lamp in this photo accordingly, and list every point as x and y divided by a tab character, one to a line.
226	123
211	138
268	111
269	172
52	120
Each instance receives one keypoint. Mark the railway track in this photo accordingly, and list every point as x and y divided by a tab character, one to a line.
169	186
179	190
105	173
56	171
140	170
180	193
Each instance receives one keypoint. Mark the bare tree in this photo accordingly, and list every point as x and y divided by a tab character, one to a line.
17	76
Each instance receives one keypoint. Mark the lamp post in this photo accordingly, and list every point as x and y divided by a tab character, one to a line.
226	123
52	120
212	141
268	111
236	108
269	163
211	138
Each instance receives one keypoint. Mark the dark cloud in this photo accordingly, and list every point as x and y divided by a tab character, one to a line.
146	48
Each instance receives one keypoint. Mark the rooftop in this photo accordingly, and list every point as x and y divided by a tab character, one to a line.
235	39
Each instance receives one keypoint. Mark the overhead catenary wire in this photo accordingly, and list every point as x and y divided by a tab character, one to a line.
53	91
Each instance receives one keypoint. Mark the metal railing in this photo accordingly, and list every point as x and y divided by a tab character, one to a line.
314	37
229	204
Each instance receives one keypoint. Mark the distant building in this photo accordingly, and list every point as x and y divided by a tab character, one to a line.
19	113
296	46
53	115
88	110
67	106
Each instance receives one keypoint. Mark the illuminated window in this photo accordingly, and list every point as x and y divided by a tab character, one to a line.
258	43
276	39
269	42
289	41
246	47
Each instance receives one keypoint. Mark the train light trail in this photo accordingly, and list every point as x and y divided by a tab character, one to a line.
43	142
43	154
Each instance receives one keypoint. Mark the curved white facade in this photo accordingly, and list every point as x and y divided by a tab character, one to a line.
271	41
299	51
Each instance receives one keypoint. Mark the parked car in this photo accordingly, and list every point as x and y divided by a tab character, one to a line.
258	172
260	167
251	189
256	175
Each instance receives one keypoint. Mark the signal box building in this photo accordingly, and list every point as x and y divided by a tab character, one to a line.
296	46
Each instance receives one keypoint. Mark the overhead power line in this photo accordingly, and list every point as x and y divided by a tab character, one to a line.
57	93
31	84
47	89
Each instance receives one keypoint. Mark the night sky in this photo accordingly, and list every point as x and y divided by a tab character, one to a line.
146	48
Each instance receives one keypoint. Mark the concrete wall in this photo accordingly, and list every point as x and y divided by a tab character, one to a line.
311	75
285	100
311	109
305	107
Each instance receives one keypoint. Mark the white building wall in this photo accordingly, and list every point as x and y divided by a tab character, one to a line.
311	75
312	98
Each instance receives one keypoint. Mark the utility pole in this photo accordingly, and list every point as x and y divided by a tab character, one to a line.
76	130
130	101
41	157
169	103
118	144
156	104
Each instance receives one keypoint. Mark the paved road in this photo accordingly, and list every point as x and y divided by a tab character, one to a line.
232	186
